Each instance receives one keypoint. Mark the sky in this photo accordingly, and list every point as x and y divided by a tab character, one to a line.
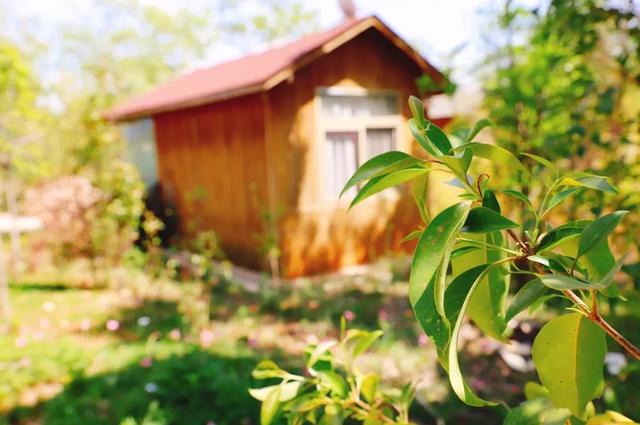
435	27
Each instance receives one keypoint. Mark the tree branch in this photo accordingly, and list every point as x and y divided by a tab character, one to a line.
593	315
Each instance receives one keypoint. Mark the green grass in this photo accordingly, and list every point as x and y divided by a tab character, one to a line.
59	364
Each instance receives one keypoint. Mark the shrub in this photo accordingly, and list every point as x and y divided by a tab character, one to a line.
65	207
335	390
483	249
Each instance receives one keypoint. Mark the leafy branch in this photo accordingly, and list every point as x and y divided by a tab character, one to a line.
472	238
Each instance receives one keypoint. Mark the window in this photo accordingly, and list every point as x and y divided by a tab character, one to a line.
354	127
342	155
380	140
358	106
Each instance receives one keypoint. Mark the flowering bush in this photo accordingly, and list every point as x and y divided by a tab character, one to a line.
81	219
66	207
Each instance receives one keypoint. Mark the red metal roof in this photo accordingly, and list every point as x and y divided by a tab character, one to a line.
250	74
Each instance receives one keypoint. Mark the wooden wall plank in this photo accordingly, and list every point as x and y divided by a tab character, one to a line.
317	236
211	162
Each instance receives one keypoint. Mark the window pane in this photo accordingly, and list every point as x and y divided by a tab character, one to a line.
380	140
359	106
341	160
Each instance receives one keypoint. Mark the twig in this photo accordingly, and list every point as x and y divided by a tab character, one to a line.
593	315
479	181
621	340
578	301
518	241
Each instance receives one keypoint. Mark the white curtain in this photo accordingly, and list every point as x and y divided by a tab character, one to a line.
379	140
342	160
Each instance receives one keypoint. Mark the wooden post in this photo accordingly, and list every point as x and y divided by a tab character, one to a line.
5	305
15	266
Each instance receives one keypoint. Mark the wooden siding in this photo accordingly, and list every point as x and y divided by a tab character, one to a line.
317	235
224	165
212	165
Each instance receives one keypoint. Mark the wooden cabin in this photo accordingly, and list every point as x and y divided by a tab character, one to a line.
258	148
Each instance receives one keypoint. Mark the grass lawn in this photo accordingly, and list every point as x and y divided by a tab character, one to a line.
141	348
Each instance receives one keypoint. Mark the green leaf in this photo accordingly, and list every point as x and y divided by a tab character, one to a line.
562	282
526	296
595	264
432	255
431	322
407	395
542	161
420	186
610	418
463	250
596	232
369	386
419	134
452	365
363	341
538	411
593	182
332	415
560	234
459	164
607	279
536	304
487	305
437	138
417	109
412	236
319	351
534	390
380	183
287	391
384	163
335	383
485	220
569	356
518	195
270	405
267	369
490	201
498	155
558	198
550	263
477	128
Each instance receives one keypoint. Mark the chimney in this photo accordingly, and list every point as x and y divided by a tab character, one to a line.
348	9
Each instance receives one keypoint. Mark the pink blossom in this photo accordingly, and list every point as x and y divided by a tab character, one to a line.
383	316
349	315
175	334
113	325
21	341
146	362
206	338
422	339
252	341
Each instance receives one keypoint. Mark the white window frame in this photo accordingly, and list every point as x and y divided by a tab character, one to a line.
359	125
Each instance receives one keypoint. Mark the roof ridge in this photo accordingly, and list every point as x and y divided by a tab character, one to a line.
251	73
